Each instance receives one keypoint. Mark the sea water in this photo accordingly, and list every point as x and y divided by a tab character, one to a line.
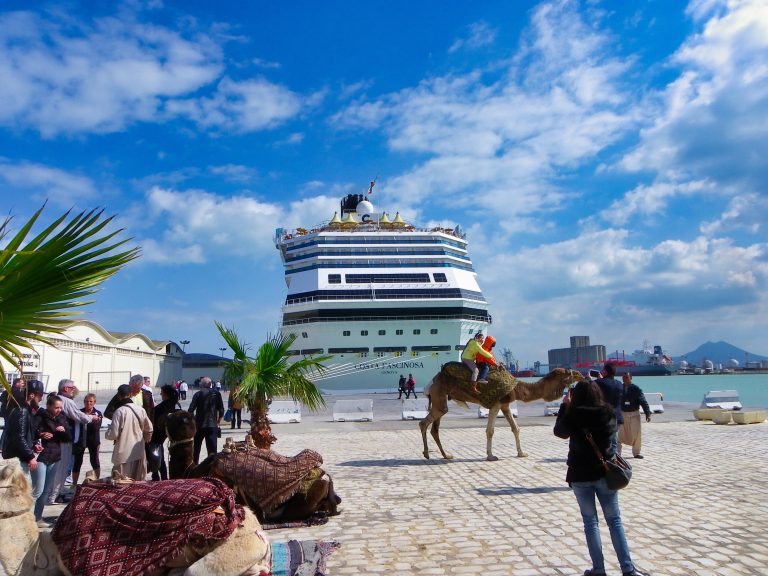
752	388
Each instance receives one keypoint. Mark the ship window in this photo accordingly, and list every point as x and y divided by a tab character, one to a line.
308	351
399	332
334	278
439	277
363	350
430	348
363	354
304	335
382	332
433	331
398	354
385	278
416	331
363	332
379	354
389	349
346	333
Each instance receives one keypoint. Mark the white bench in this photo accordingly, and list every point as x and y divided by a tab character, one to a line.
415	409
284	412
484	412
654	400
353	411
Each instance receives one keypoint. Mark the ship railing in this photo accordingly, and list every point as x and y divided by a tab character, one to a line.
309	300
469	317
367	227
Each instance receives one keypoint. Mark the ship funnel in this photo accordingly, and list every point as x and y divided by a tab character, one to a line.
349	203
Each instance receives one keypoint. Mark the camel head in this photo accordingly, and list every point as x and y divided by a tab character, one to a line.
180	425
14	487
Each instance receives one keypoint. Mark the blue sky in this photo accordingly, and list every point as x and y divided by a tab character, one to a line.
606	159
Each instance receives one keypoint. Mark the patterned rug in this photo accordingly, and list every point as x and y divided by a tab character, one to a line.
305	558
267	478
131	529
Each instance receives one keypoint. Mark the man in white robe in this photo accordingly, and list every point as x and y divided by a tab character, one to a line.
130	429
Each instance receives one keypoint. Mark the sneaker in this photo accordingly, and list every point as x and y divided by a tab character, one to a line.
68	480
591	572
635	572
640	456
63	499
43	524
482	381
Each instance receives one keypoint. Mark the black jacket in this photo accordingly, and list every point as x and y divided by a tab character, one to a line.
20	435
52	448
633	398
583	463
161	411
613	391
208	408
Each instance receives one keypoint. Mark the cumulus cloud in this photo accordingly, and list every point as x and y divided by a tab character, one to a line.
479	34
103	75
195	226
41	183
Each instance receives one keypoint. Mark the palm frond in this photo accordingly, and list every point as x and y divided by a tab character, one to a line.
45	279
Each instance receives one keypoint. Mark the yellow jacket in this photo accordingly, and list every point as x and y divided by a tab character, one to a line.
472	349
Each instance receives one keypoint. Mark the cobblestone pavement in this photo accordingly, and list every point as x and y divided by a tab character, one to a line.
697	504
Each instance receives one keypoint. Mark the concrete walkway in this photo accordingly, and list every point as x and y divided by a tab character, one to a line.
697	504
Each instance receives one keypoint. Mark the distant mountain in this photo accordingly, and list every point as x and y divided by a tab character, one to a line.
719	353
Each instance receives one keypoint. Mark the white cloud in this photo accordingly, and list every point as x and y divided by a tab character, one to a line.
234	172
107	74
480	35
41	182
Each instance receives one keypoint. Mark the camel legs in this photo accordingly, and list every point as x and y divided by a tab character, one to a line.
437	410
489	429
515	430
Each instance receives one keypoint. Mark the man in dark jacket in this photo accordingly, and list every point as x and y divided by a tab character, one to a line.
20	434
612	393
630	432
208	409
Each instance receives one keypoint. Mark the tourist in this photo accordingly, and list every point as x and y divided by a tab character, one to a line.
235	404
20	434
183	389
169	403
54	433
411	387
483	363
90	438
584	411
208	409
630	432
401	388
18	397
612	391
71	411
130	429
471	350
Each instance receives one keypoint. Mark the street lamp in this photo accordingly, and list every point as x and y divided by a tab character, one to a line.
183	344
222	351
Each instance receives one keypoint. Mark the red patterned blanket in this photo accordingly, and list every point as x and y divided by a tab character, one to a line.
132	529
267	478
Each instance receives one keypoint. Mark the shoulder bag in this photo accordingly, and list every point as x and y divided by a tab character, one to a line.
618	472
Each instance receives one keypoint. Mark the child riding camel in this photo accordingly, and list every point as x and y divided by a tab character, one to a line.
472	349
484	364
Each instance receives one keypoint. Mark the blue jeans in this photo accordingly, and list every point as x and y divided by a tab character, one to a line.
36	481
47	477
585	493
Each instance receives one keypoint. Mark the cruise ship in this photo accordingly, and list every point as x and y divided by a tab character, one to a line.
383	297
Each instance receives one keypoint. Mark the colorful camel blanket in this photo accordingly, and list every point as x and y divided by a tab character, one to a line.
266	478
132	529
500	382
301	558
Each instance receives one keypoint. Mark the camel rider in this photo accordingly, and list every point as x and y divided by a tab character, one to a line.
468	355
484	364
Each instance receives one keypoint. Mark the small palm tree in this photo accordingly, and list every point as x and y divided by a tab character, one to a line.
44	280
268	375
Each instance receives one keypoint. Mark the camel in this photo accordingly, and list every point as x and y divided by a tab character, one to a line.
277	488
453	383
246	551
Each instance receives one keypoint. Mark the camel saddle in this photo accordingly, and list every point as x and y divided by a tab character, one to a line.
264	478
500	382
135	528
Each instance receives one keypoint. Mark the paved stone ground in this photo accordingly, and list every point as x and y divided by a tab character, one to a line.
697	504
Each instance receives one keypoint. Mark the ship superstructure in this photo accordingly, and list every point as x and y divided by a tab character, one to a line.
380	295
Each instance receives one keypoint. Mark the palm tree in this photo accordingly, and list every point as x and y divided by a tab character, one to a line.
268	375
44	281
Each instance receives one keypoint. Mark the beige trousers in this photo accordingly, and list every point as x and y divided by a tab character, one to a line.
136	469
631	432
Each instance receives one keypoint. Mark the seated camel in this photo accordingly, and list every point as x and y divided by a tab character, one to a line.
453	383
277	488
169	528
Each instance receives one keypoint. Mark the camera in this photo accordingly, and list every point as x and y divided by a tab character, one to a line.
594	373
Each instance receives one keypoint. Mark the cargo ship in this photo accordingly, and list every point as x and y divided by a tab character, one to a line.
383	297
645	361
